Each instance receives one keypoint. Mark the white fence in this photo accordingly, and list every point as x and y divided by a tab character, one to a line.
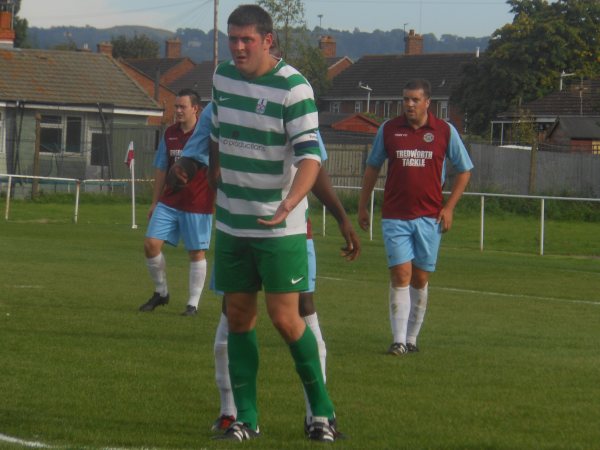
78	183
482	196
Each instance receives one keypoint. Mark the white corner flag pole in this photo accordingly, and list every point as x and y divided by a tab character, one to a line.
130	161
132	167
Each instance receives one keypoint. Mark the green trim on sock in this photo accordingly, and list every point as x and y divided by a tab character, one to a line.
308	365
242	349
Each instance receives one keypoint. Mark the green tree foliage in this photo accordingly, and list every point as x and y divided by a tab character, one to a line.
286	15
139	46
310	62
524	59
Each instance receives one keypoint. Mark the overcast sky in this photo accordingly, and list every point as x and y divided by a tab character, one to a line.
462	18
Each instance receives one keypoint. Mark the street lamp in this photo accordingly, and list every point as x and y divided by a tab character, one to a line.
368	89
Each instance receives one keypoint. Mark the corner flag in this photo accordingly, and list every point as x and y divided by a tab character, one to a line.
130	162
129	156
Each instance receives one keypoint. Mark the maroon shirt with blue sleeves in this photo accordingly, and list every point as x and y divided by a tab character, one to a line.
195	196
416	165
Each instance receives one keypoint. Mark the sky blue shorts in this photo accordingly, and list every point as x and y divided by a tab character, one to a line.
416	240
171	225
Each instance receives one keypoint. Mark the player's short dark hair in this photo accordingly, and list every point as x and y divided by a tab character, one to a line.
419	83
245	15
192	94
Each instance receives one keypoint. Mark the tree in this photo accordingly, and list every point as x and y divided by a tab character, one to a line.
139	46
310	62
524	59
286	15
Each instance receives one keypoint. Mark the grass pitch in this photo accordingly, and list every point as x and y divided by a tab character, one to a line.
509	349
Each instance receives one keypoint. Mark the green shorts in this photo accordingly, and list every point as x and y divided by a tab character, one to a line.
245	264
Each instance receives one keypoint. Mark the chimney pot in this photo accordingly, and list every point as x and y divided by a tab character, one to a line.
105	47
173	48
413	43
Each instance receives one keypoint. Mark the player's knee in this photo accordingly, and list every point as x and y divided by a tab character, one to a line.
152	247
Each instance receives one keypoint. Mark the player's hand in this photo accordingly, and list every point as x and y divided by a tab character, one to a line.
283	210
445	218
352	249
182	172
151	210
363	219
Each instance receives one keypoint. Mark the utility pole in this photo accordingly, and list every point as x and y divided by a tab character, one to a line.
320	16
216	36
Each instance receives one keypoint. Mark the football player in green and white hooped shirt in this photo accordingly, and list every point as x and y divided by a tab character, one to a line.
264	123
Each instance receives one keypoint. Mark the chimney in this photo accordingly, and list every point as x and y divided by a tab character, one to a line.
105	47
413	43
7	33
327	46
173	48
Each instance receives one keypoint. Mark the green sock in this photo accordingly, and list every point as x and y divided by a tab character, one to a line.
306	356
242	350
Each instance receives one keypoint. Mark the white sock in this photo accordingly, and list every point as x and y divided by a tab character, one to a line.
222	369
197	278
399	312
418	306
312	321
157	268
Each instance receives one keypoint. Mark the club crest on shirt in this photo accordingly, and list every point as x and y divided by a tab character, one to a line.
428	137
261	106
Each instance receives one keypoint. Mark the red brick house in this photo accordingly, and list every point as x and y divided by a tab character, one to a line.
374	83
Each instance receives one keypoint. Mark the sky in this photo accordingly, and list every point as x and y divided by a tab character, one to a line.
465	18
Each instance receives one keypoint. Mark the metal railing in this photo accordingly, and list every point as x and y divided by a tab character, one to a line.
482	196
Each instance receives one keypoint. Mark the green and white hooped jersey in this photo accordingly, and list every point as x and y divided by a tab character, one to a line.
263	127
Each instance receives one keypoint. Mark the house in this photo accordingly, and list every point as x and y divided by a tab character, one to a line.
335	64
156	75
579	100
374	83
58	111
577	134
198	79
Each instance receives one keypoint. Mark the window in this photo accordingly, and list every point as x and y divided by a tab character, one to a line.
399	108
51	134
56	130
335	107
357	107
73	135
442	111
387	109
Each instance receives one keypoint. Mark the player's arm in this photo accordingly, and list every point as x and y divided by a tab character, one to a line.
447	212
214	168
159	185
308	170
368	184
324	191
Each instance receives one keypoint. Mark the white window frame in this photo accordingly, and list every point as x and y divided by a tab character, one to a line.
358	106
63	127
335	107
442	109
387	109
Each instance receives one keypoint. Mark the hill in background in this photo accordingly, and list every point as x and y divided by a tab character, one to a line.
198	45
